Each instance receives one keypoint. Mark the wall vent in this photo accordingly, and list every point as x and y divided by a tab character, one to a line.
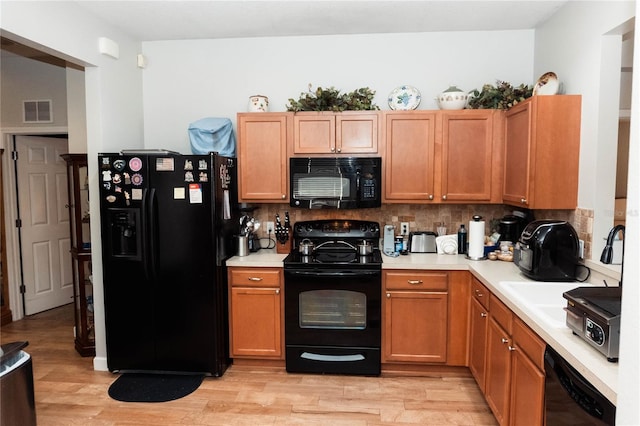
37	111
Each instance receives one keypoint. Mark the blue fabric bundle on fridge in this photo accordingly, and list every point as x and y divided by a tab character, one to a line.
212	134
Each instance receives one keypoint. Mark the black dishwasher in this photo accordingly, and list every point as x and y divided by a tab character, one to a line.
570	399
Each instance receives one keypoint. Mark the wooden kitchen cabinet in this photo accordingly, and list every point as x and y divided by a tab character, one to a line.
443	156
80	232
409	162
263	161
255	313
471	156
498	370
478	328
542	150
514	379
415	316
349	132
527	376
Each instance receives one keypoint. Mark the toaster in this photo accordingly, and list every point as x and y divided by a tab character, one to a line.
422	242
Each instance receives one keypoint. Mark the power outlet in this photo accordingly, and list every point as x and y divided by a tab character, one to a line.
581	249
270	227
404	228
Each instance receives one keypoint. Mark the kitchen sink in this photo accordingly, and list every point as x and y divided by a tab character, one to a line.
544	299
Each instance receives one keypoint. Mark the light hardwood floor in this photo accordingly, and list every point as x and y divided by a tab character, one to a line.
69	392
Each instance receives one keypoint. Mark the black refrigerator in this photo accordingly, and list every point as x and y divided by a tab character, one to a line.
168	223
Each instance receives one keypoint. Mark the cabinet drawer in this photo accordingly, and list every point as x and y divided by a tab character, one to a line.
416	280
255	277
480	292
528	342
501	314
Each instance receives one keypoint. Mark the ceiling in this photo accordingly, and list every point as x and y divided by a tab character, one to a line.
179	20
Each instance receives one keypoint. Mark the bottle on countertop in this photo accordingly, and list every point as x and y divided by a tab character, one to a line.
462	240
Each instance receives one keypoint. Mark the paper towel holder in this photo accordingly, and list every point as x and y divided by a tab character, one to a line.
475	218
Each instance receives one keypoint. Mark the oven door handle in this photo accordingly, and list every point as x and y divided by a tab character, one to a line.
342	273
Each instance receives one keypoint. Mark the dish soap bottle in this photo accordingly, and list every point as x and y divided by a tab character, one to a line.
462	240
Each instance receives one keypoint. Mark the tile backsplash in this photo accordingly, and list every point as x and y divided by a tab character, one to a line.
423	217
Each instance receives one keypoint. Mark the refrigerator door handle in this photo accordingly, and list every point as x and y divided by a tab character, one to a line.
152	233
148	229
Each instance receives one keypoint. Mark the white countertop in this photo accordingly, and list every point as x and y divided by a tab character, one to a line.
585	359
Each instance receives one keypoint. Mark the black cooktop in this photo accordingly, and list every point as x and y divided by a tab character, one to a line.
336	242
607	299
328	258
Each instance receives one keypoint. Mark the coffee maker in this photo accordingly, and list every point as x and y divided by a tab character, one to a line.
510	226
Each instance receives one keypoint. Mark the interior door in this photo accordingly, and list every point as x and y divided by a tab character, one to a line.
45	240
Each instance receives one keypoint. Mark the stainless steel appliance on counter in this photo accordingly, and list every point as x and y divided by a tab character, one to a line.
333	298
569	398
593	313
548	251
168	225
422	242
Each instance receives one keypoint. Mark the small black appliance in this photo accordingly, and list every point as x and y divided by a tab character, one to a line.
335	183
548	250
511	226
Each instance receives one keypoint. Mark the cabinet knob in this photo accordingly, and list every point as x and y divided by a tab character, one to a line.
512	348
478	294
444	197
431	196
339	150
414	282
333	150
504	340
388	295
277	291
483	314
523	200
284	196
255	279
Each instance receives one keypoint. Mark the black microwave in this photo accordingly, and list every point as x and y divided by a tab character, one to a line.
335	182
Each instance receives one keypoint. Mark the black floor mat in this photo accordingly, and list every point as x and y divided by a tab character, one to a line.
142	387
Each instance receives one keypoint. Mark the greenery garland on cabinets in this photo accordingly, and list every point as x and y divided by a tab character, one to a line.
330	99
501	96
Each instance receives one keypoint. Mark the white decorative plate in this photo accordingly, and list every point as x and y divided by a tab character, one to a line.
547	84
404	98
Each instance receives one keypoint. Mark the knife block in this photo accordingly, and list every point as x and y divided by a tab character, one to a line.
284	246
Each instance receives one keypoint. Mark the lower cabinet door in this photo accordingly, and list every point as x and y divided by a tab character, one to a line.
498	372
255	323
478	341
415	328
527	391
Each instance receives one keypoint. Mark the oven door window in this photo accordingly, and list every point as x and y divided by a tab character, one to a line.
333	309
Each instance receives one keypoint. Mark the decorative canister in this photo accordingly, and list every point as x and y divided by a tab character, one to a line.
258	103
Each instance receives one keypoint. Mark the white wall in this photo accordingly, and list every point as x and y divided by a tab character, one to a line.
113	96
582	44
27	79
188	80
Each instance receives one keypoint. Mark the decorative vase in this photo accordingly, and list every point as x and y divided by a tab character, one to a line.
258	103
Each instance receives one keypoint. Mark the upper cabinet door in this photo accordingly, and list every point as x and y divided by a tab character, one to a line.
542	152
349	132
468	156
409	157
357	133
314	133
262	157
